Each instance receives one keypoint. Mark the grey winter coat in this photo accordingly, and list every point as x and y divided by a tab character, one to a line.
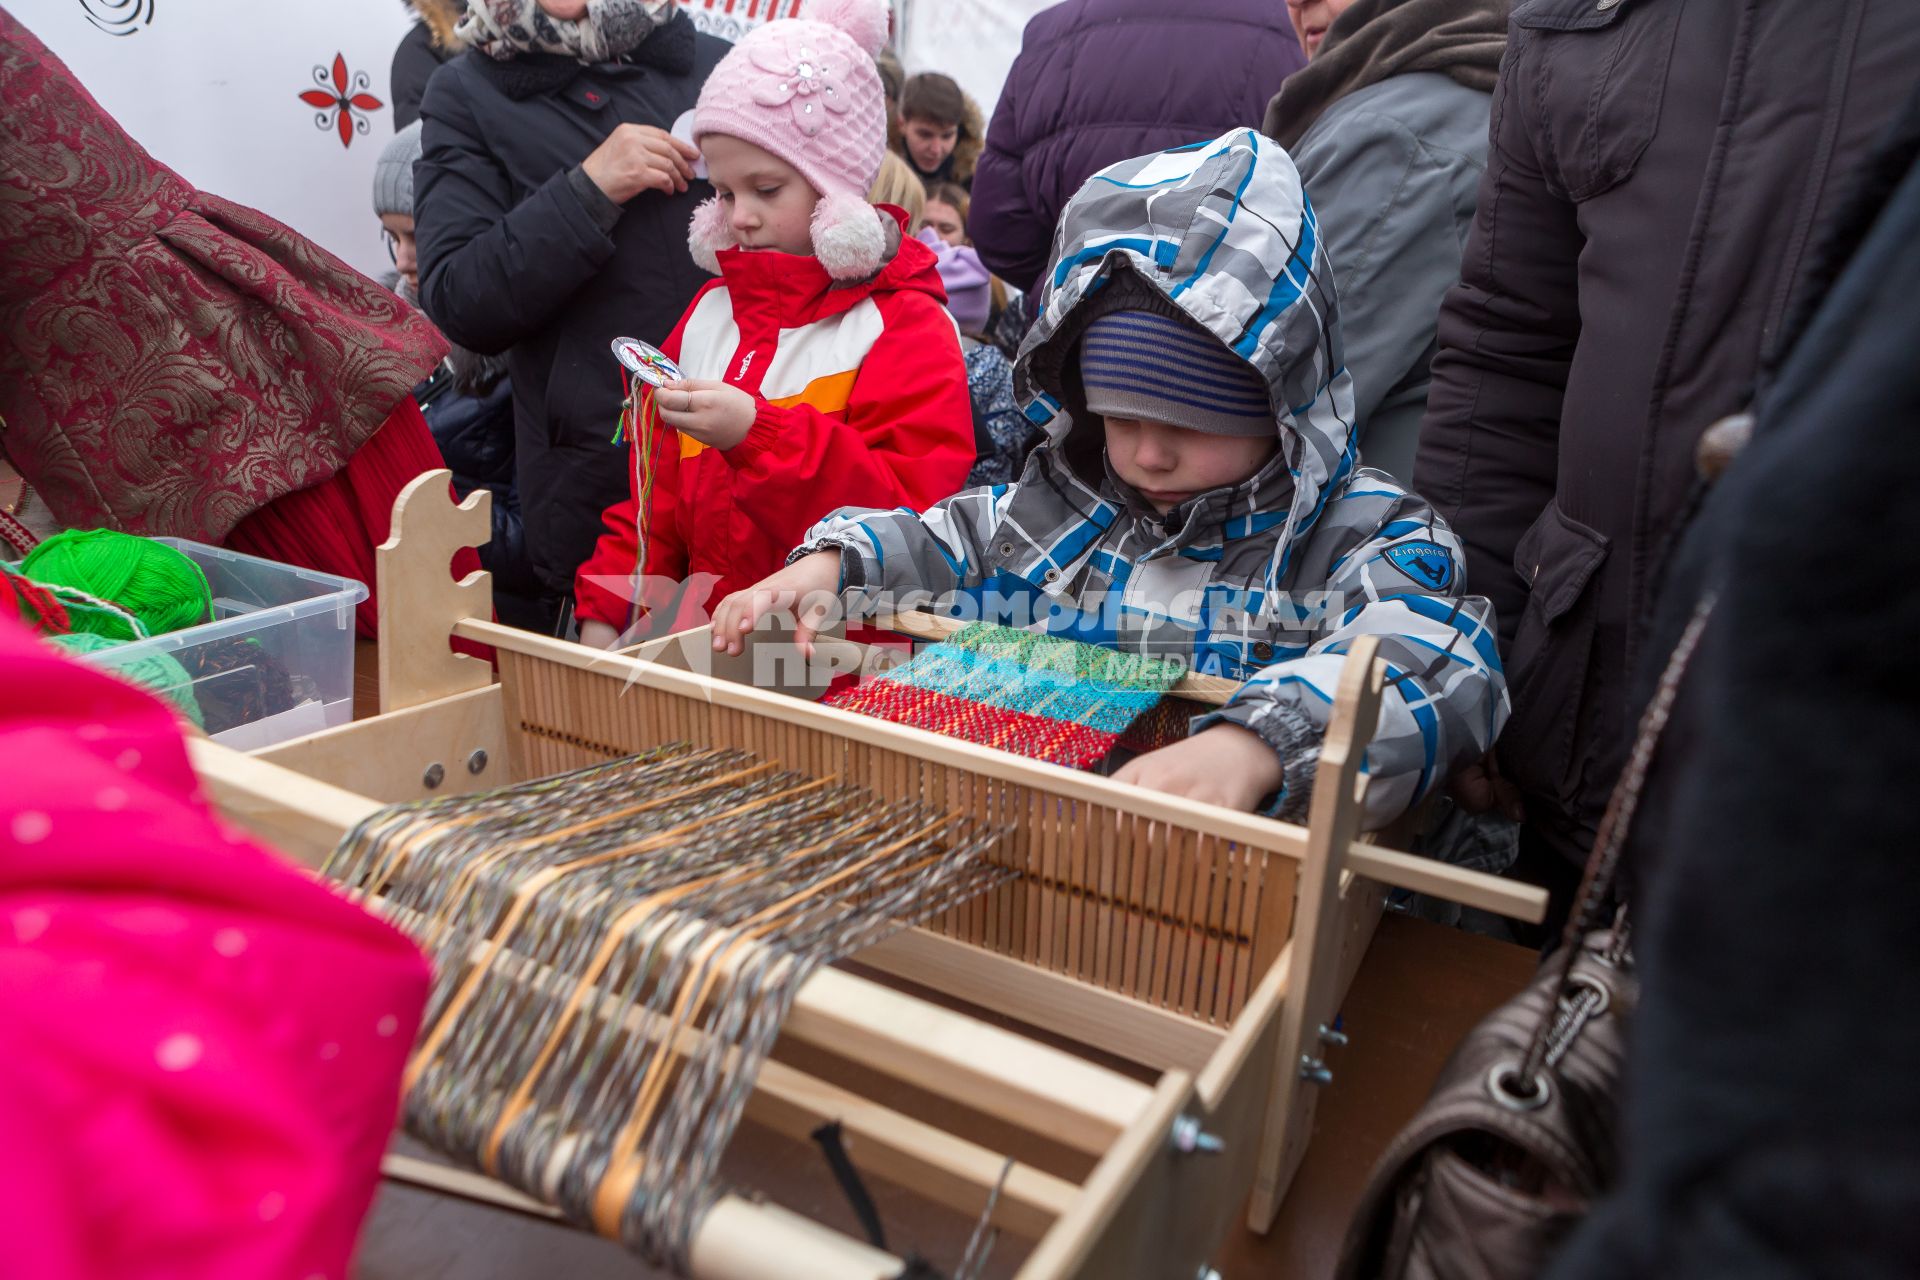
1393	170
1267	582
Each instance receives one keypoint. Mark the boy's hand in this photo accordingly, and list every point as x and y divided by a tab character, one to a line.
711	412
806	588
1225	765
596	634
1480	787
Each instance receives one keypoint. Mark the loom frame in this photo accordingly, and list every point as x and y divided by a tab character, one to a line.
1156	1202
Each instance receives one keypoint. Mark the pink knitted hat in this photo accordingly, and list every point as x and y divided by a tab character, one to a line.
807	90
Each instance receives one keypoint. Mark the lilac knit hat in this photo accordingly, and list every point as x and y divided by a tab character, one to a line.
807	90
969	287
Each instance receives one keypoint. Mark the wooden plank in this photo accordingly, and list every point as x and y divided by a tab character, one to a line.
1000	1073
1334	821
297	815
445	1178
1400	870
1106	1020
1119	1227
944	1168
418	598
994	1071
387	758
939	1165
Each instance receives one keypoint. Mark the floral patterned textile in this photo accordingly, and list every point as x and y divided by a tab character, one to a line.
170	361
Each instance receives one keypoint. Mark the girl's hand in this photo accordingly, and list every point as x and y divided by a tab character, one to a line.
808	588
1225	765
711	412
596	634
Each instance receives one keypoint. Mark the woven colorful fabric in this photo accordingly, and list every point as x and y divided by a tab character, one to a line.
1044	697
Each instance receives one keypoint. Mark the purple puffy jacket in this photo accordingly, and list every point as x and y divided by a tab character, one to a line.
1098	81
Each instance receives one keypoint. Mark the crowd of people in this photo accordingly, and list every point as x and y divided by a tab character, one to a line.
1424	308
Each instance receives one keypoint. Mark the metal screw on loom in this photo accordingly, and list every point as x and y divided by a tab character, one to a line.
1189	1137
1330	1036
436	774
477	761
1314	1071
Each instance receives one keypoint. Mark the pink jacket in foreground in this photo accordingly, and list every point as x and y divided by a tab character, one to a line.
203	1046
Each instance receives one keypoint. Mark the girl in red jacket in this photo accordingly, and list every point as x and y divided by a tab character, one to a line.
822	369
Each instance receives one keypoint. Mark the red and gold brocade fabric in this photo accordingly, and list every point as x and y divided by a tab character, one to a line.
170	362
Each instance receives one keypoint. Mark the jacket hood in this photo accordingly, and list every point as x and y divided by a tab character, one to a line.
798	290
972	140
1222	233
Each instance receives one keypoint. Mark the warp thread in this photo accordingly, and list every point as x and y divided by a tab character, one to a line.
615	949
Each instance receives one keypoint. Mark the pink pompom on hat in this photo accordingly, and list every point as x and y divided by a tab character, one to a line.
807	90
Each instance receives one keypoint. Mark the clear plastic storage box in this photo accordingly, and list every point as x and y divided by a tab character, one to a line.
301	623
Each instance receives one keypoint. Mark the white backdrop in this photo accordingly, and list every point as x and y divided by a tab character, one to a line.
212	88
974	41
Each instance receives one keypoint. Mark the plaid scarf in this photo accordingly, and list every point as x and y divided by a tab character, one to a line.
612	29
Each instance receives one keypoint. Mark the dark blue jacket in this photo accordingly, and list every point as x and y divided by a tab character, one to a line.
472	422
1099	81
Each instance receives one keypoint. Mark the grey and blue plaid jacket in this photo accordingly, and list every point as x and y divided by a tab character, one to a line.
1267	582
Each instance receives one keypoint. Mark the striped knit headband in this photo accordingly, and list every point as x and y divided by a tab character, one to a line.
1159	368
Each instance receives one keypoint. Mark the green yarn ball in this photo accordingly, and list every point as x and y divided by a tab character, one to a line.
162	587
160	673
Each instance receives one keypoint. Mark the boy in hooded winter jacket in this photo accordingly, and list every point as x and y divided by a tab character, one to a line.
822	368
1198	495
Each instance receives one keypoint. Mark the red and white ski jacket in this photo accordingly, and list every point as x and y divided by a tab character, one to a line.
863	401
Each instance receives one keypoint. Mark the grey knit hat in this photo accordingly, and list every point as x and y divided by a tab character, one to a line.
1165	368
393	173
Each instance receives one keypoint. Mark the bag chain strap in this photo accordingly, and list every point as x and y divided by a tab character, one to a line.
1556	1033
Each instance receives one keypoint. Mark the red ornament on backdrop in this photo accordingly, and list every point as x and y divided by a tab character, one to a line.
339	108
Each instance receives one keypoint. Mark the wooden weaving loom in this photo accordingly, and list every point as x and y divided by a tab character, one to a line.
1210	946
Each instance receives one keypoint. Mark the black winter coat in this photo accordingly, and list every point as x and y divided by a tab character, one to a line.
1656	172
520	253
1772	1124
415	60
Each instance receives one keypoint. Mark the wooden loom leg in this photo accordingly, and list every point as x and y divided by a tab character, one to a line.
420	602
1317	933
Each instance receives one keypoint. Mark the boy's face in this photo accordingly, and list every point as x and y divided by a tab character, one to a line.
929	142
1168	464
945	221
401	247
769	205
